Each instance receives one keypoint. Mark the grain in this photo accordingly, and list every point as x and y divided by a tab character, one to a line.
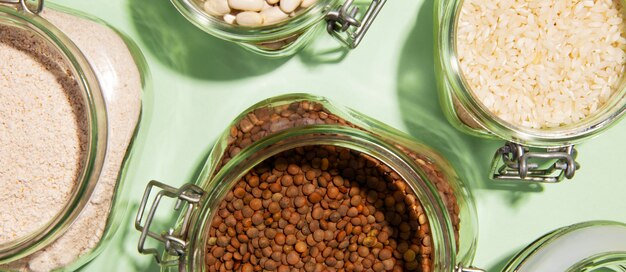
542	64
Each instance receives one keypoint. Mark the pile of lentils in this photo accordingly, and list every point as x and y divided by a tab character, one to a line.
253	13
320	208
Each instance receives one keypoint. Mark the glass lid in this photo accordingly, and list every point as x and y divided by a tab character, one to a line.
597	246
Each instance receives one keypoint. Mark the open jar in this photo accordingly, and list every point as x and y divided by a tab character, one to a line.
71	88
541	81
299	182
279	27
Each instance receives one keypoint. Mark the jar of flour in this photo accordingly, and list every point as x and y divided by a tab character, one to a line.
71	89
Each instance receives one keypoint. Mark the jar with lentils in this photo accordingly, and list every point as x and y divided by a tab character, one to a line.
279	28
297	183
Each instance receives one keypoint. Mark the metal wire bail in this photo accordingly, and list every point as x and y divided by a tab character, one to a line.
341	21
23	5
512	162
174	242
38	7
460	268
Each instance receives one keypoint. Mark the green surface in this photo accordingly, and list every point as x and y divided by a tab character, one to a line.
201	83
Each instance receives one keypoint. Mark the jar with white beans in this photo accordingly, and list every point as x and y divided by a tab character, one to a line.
280	27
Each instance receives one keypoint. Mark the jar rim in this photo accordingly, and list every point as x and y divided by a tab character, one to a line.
609	260
593	256
607	116
95	116
212	25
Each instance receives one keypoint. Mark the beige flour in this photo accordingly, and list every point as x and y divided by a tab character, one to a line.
43	133
121	85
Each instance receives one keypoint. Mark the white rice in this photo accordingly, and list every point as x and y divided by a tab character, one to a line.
542	64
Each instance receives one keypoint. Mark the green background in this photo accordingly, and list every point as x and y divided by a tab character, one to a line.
200	83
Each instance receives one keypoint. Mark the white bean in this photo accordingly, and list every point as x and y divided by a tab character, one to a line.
216	7
273	15
246	5
289	5
266	6
229	18
249	18
272	2
307	3
273	45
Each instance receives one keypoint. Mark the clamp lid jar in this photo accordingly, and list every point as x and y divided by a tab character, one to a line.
543	81
297	180
69	118
280	27
589	246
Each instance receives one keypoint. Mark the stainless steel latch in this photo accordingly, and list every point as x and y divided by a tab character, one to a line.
174	241
344	25
35	8
517	162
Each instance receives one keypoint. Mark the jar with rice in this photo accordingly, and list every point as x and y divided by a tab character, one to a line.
542	75
71	89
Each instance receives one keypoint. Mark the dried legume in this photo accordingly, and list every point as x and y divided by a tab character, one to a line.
253	13
322	227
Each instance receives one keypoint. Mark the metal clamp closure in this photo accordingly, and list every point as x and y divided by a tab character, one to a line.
513	162
339	22
34	8
174	241
460	268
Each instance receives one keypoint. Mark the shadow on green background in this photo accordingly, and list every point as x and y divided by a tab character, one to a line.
424	119
128	232
316	54
503	262
179	45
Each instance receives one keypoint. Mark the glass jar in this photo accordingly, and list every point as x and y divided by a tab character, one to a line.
530	154
297	121
107	75
589	246
285	38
